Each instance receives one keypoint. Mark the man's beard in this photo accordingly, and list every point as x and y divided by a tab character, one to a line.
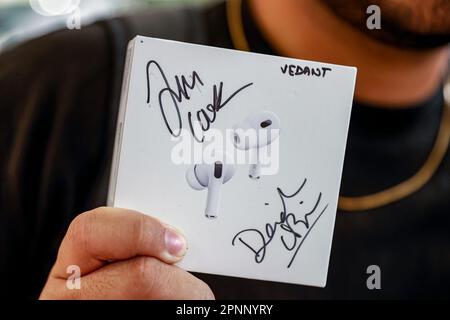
412	24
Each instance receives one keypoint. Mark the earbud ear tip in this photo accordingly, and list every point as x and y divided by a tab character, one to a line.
192	179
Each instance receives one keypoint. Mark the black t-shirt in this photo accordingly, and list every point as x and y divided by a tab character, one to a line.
58	107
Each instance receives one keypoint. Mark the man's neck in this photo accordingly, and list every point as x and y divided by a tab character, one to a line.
386	75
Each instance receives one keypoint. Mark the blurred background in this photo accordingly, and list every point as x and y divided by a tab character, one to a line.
19	22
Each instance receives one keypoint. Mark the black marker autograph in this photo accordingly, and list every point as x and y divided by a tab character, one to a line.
182	91
287	222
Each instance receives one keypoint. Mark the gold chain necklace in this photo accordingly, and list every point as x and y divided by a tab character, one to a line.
389	195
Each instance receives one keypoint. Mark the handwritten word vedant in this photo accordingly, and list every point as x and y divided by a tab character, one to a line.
294	70
291	230
204	116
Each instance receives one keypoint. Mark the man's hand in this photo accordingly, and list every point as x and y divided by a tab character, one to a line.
123	254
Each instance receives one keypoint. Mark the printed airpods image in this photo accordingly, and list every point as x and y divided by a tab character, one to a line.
211	176
255	132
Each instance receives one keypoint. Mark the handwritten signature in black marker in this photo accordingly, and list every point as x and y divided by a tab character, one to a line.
294	231
205	116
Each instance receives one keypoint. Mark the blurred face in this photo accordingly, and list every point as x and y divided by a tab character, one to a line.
418	24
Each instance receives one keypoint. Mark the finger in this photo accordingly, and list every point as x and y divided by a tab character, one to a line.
108	234
137	278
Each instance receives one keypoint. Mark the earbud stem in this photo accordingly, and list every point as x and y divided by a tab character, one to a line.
213	200
255	169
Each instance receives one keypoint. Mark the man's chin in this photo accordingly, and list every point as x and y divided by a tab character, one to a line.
408	40
410	24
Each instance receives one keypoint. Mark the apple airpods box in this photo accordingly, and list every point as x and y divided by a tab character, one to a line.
243	152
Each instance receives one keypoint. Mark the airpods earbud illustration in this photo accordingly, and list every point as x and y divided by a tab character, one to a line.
211	176
255	132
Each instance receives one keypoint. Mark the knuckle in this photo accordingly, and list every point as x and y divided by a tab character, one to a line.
80	230
146	272
146	230
77	228
138	230
208	294
97	211
205	292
